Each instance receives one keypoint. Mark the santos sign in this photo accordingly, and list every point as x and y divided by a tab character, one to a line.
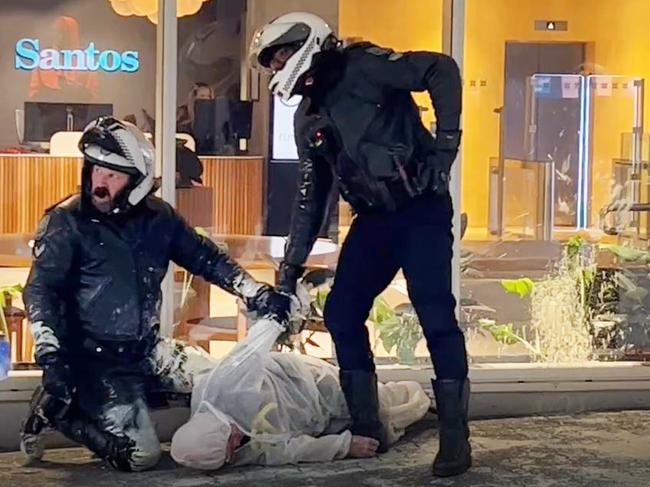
29	56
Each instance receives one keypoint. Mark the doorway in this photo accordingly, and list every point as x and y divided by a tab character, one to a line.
543	126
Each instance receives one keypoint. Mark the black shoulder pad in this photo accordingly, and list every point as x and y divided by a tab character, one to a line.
384	52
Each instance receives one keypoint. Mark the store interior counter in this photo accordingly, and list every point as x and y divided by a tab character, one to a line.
29	184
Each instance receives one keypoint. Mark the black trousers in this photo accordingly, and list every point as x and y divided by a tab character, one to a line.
418	240
112	395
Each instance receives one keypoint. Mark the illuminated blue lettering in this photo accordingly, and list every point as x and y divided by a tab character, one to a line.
90	57
49	60
27	50
29	56
110	61
130	61
74	60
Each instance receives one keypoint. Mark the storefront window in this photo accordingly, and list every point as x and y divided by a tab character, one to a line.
226	199
108	67
62	67
554	181
554	163
419	28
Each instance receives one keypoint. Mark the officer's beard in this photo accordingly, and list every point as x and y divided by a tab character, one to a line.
102	200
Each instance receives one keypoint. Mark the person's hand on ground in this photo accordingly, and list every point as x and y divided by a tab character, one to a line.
363	447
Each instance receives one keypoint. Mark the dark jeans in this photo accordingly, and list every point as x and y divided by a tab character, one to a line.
417	239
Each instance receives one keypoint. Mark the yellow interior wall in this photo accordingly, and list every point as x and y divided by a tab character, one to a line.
402	26
616	30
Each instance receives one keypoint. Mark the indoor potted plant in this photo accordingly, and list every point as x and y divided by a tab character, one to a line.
6	310
398	329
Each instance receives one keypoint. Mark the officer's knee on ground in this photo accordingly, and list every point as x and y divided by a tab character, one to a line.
144	456
145	450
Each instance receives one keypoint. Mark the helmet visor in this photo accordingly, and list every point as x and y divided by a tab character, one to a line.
269	39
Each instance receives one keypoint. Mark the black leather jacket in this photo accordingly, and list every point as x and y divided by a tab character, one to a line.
358	123
96	277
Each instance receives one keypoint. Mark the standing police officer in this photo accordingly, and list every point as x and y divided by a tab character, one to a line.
358	123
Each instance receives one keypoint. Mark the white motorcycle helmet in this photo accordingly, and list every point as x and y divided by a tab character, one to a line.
307	33
120	146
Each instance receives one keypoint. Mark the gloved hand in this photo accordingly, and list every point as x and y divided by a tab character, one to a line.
300	310
56	378
446	145
271	304
440	181
288	277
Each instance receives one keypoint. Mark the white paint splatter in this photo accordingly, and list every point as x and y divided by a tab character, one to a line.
45	339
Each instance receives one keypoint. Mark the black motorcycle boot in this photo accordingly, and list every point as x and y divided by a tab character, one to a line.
31	441
455	452
115	450
360	391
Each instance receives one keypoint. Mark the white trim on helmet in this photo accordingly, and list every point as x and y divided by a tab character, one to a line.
283	82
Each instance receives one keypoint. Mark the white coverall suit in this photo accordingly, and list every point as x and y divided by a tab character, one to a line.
292	408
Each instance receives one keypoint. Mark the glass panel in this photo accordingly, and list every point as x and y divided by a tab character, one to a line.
615	113
62	66
419	28
555	182
220	167
554	120
258	243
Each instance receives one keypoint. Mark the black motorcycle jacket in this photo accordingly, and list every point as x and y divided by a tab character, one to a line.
359	123
98	277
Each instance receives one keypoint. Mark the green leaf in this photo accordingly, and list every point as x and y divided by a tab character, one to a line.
321	298
202	231
381	311
15	290
501	333
626	253
388	343
387	326
522	287
574	245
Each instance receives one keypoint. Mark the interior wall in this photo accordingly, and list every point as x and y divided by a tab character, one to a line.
209	51
96	22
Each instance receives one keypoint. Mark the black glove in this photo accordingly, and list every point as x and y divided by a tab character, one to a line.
446	145
288	277
56	378
269	303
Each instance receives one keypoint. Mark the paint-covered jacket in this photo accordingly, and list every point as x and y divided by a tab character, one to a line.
98	278
359	125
